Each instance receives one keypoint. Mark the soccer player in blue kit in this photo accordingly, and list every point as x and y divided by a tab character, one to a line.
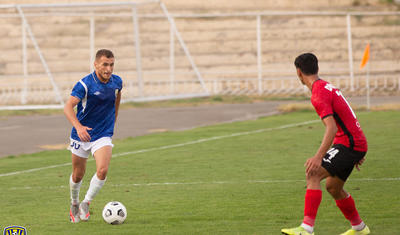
97	97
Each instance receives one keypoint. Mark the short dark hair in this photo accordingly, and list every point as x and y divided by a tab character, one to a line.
104	52
307	63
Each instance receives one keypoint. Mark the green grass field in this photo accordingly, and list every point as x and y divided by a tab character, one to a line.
238	178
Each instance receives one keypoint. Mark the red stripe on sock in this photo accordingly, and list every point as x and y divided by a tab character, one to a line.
348	208
312	200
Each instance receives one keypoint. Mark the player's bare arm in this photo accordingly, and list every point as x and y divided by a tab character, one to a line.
312	164
117	102
71	116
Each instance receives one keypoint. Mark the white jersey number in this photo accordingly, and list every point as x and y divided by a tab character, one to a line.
330	87
332	153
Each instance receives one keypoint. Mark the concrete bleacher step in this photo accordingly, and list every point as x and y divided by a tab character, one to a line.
199	47
205	56
81	36
189	28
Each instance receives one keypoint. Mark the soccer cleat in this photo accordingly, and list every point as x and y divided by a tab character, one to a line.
84	211
364	231
295	231
74	213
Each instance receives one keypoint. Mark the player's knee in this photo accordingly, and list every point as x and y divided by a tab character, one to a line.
333	190
102	173
77	178
77	175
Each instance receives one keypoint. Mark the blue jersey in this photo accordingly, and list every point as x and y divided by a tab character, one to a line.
96	108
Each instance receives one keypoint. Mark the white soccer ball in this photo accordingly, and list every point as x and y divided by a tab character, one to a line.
114	213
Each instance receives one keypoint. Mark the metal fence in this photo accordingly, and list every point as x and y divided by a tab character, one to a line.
164	56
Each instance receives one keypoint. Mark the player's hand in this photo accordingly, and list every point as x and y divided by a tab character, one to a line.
312	165
83	133
358	164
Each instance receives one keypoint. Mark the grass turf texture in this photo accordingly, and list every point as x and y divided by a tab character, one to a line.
246	184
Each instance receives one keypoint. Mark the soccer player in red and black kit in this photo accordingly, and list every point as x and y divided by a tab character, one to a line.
331	162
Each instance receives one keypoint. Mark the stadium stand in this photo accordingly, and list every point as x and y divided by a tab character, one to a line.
224	47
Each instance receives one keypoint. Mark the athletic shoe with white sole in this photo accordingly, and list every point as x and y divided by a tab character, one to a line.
295	231
364	231
74	213
84	211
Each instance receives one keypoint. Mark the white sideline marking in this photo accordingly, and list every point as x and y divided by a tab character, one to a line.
170	146
215	138
197	183
9	127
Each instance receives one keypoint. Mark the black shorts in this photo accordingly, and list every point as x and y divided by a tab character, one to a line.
340	160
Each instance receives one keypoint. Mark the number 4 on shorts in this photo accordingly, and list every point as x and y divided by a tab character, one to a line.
332	153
